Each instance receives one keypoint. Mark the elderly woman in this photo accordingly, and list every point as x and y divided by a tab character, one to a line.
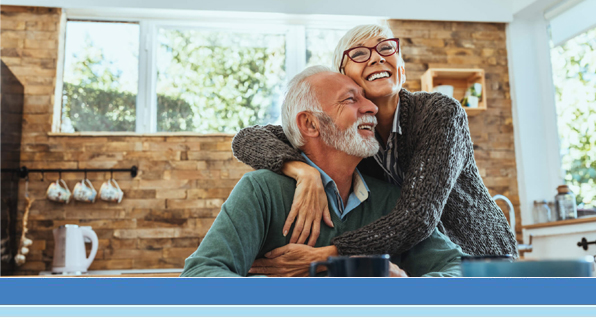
425	149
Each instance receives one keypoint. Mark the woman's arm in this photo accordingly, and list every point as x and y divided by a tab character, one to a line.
309	203
441	152
267	147
264	147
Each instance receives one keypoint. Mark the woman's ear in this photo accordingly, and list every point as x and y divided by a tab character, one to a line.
308	124
402	71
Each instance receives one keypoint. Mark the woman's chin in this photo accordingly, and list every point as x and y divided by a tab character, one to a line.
373	94
381	89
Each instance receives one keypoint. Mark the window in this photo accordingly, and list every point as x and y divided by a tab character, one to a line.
100	76
320	44
218	81
574	72
150	76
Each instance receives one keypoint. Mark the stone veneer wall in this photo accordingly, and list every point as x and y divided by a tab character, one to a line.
183	180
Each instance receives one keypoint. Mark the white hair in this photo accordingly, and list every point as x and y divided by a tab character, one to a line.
299	97
359	34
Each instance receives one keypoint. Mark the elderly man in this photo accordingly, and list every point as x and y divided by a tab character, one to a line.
327	117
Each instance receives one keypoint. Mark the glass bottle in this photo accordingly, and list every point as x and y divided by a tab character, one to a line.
565	200
553	211
542	212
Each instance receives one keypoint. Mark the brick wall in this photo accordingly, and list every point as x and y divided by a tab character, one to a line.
183	180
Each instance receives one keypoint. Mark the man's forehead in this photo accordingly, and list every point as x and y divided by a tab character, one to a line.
349	86
336	81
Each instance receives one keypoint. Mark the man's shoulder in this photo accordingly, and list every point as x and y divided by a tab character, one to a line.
268	178
265	174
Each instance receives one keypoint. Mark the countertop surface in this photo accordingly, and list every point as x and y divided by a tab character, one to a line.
119	273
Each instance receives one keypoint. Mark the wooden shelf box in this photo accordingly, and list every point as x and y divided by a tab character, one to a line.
461	80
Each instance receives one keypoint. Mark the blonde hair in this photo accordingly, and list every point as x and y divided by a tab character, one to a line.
359	34
299	97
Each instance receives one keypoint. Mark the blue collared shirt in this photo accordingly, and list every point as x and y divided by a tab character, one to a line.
358	195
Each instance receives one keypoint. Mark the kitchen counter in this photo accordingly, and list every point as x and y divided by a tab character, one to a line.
560	239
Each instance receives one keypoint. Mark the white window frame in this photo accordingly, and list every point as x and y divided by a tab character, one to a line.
292	26
537	144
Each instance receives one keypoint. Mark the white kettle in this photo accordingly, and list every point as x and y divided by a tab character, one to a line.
69	250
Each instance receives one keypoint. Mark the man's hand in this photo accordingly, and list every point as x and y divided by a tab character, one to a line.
395	271
292	260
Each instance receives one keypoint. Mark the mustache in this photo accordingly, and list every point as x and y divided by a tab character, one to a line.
367	118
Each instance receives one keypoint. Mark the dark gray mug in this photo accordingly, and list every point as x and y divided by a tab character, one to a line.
356	266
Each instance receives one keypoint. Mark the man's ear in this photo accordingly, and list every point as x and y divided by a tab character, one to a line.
308	124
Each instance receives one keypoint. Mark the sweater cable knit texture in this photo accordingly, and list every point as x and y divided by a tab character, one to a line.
442	186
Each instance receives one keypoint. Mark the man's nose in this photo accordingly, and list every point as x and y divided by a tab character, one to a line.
368	107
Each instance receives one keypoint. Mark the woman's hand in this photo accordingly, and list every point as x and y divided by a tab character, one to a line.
292	260
309	204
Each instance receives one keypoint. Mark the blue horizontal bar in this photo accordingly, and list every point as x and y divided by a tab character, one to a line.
297	291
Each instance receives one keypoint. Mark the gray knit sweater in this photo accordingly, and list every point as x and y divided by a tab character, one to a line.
442	186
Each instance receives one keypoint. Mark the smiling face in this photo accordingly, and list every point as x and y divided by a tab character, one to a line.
379	76
348	119
343	100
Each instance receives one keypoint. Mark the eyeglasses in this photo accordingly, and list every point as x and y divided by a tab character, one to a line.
384	48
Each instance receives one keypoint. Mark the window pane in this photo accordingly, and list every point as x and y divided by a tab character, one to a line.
100	76
320	44
574	71
218	81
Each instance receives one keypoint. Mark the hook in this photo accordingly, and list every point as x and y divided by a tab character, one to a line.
23	172
27	186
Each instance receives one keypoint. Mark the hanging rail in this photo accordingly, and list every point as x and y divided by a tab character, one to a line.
24	171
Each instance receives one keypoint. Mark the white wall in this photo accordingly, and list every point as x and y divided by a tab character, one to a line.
453	10
519	5
534	112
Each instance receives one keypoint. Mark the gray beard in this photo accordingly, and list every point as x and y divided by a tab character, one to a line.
349	140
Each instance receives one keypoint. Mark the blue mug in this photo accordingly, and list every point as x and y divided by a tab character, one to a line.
354	266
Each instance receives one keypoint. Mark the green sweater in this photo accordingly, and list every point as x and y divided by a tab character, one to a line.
251	220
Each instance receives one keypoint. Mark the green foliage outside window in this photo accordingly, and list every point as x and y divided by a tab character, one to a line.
110	110
92	99
229	80
208	82
91	109
574	69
